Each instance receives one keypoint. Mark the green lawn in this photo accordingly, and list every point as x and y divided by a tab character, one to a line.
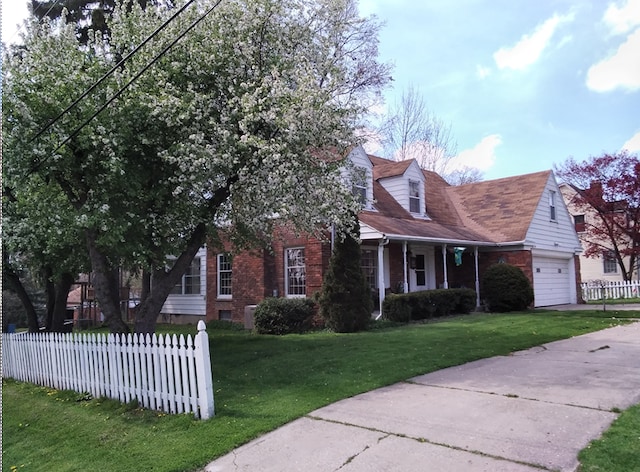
260	383
619	447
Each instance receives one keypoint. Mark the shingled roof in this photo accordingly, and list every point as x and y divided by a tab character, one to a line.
489	212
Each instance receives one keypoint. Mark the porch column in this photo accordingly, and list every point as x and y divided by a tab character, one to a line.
405	267
445	284
381	245
475	253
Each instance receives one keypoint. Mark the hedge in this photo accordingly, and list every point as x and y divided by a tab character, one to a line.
428	304
283	315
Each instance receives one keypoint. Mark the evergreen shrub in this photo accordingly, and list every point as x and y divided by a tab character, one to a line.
506	288
283	315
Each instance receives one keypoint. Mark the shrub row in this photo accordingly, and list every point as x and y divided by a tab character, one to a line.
428	304
284	315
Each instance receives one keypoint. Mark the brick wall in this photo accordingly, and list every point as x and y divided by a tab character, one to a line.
259	274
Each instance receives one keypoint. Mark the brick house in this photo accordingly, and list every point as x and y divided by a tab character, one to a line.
417	233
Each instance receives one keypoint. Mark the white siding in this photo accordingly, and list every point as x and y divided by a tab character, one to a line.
557	236
398	187
554	243
190	304
359	159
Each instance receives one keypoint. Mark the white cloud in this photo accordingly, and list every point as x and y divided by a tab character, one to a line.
621	70
633	144
482	156
530	47
624	18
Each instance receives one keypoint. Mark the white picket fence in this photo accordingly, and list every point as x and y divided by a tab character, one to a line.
596	290
163	373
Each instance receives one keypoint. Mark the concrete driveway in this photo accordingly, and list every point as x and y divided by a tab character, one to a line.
530	411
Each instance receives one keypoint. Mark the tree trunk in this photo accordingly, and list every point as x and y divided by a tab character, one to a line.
162	282
50	290
106	286
16	284
60	305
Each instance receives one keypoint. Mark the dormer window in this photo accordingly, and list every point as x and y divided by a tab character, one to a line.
359	185
414	196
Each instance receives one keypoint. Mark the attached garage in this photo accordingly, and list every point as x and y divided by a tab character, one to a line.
552	281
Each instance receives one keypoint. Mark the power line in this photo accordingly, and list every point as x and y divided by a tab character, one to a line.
144	69
113	69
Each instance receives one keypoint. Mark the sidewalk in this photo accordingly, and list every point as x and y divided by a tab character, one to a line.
530	411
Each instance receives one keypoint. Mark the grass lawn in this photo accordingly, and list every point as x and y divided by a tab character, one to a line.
619	447
260	383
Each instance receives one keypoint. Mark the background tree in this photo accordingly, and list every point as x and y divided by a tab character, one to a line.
225	131
345	299
411	130
88	15
608	192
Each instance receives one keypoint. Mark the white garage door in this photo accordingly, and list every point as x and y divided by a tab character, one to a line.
551	281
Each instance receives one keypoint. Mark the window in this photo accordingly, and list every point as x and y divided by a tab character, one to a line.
359	185
552	205
421	274
414	196
224	276
369	264
610	263
579	223
295	272
190	282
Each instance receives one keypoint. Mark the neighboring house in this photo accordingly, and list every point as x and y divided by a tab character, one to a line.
603	267
417	233
187	301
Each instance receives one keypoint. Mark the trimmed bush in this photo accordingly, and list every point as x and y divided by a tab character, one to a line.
428	304
396	307
283	315
506	288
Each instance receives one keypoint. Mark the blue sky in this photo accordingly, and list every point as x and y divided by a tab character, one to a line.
524	84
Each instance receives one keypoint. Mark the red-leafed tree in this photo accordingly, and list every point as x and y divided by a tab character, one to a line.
608	190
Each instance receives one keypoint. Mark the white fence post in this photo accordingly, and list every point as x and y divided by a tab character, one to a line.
161	372
203	373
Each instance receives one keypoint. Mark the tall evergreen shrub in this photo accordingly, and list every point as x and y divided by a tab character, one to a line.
345	300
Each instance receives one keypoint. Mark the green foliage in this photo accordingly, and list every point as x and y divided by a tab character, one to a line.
283	315
428	304
260	383
506	288
224	129
345	299
397	307
619	447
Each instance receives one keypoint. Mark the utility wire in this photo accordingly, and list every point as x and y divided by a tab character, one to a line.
106	76
144	69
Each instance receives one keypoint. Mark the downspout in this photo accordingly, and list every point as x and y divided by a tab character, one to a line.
445	284
475	253
405	267
383	242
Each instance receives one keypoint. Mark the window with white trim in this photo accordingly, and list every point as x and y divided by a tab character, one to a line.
295	272
369	264
610	263
552	205
190	282
414	196
359	184
225	274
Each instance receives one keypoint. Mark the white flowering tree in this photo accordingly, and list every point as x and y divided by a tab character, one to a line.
239	126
